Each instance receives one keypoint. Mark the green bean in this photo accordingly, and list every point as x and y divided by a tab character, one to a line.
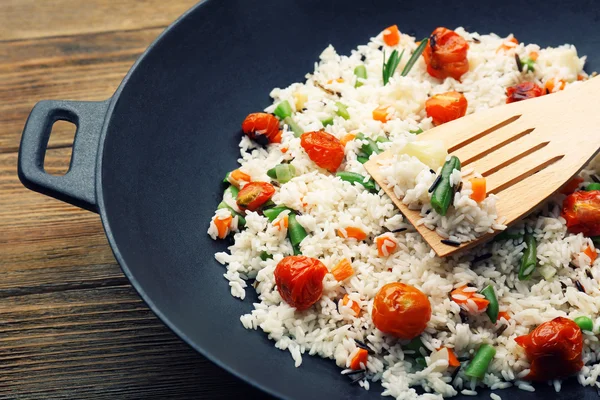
370	147
421	363
289	121
327	121
585	323
417	131
283	110
360	72
480	362
508	235
529	260
265	256
444	192
592	186
274	212
353	177
415	345
492	308
226	179
362	159
233	191
296	233
282	173
527	64
382	139
342	110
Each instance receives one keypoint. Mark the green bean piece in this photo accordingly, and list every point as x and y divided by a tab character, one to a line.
585	323
342	110
289	121
296	232
241	219
417	131
362	159
444	192
528	64
529	260
327	121
273	213
415	345
370	147
480	362
382	139
508	235
592	186
296	250
493	308
232	190
283	110
265	256
360	136
282	173
353	178
226	179
360	72
421	363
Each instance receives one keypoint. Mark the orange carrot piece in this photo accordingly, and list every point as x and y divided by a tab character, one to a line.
223	225
479	189
237	176
381	244
380	114
571	186
591	253
284	150
353	232
358	359
508	44
391	35
339	80
460	297
355	307
343	270
533	56
580	77
452	359
281	223
347	138
551	85
504	314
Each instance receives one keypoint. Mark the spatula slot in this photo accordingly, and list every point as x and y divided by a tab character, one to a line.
484	133
497	146
515	158
526	174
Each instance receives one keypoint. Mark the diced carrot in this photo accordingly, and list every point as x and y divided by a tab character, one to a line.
347	138
343	270
479	189
353	232
508	44
339	80
571	186
380	114
384	249
284	150
533	56
452	359
551	85
281	223
358	359
504	314
277	137
223	225
591	253
355	307
460	297
580	77
391	35
237	176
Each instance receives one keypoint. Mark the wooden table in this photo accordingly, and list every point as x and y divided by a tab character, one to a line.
71	326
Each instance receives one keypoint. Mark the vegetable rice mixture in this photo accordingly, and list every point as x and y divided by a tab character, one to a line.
341	275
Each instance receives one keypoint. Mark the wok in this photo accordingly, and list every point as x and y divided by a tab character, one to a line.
151	158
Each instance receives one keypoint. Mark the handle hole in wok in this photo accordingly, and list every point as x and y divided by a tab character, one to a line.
60	146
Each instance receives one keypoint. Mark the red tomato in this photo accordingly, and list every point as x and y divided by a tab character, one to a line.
401	310
446	107
254	195
446	54
523	91
554	349
572	185
324	149
299	280
581	210
262	127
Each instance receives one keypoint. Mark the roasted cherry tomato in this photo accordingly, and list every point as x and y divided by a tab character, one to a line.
446	54
523	91
262	127
401	310
581	210
446	107
324	149
554	349
254	194
299	280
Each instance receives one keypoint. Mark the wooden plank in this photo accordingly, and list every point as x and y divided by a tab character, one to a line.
26	19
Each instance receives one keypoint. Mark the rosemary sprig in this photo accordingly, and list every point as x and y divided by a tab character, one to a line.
390	66
415	56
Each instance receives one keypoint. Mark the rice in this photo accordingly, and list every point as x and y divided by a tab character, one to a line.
328	206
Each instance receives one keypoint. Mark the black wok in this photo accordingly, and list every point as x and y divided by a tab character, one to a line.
150	159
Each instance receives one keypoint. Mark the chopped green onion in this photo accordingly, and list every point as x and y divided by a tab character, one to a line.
382	139
296	233
289	121
353	177
527	64
265	256
592	186
283	173
273	213
283	110
480	362
390	66
362	159
417	131
415	56
342	110
370	147
360	72
443	194
585	323
529	260
492	309
327	121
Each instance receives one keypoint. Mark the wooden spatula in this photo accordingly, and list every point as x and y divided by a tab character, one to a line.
526	151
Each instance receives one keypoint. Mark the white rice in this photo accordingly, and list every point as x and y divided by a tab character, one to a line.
329	205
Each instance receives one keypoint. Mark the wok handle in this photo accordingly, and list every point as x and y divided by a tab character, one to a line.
78	185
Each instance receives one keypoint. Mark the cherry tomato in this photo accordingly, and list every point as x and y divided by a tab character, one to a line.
401	310
324	149
446	107
581	210
554	349
572	185
446	54
261	127
254	194
523	91
299	280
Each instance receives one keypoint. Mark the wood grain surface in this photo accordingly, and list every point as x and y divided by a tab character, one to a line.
71	326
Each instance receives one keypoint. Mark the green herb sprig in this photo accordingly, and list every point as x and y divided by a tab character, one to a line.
390	66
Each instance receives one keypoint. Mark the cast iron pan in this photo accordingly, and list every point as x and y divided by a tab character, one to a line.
150	159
